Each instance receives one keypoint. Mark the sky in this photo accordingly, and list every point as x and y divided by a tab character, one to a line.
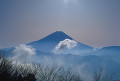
92	22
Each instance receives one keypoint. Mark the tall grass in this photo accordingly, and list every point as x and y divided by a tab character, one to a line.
100	76
10	71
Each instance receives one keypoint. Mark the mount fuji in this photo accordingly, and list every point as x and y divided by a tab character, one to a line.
50	42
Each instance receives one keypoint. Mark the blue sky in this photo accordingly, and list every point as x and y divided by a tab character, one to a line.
92	22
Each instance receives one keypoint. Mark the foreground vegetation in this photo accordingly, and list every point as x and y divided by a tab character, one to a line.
10	71
32	72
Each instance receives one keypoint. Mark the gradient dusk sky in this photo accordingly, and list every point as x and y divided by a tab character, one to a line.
92	22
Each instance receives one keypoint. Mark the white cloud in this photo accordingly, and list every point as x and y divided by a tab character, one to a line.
65	44
23	53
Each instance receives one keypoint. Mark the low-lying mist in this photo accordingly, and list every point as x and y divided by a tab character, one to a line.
84	65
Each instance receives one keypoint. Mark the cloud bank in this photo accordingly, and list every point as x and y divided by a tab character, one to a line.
23	53
65	44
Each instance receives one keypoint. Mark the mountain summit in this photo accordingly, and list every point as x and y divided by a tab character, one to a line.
48	43
56	37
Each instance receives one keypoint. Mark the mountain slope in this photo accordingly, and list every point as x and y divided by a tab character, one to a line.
110	50
48	43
